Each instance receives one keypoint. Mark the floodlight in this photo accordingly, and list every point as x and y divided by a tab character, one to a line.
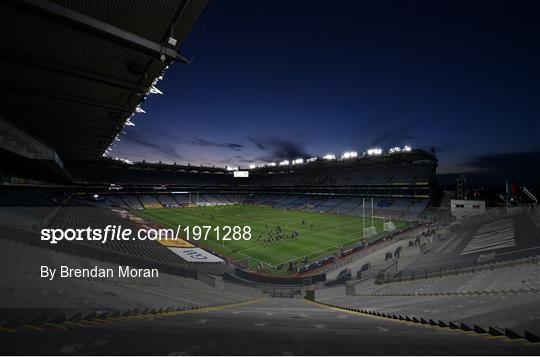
284	162
311	159
298	161
172	41
349	155
272	164
329	157
232	168
155	90
375	151
407	148
252	166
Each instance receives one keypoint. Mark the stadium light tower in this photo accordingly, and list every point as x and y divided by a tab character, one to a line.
349	155
155	90
329	157
375	151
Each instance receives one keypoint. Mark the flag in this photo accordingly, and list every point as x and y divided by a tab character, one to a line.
511	190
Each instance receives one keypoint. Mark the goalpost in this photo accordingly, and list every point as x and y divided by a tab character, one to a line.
371	230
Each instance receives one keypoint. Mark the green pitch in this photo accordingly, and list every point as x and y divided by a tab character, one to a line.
319	235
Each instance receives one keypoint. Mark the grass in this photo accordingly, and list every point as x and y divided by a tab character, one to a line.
322	234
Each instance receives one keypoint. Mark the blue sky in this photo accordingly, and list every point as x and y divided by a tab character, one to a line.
281	79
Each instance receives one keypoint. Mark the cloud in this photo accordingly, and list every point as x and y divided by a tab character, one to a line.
519	167
148	142
204	142
507	163
278	149
395	136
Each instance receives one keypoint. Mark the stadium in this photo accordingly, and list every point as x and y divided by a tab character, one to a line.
359	253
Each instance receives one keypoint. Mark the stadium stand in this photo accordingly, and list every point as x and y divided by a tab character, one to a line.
167	201
149	201
76	213
133	202
483	310
499	299
29	208
396	208
393	173
520	276
491	290
88	69
465	244
116	201
115	293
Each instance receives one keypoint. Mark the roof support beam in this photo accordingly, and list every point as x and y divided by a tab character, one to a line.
76	73
112	107
36	114
106	30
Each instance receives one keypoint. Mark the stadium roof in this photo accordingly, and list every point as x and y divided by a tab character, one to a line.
75	71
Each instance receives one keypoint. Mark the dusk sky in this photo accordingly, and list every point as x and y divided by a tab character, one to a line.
286	79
